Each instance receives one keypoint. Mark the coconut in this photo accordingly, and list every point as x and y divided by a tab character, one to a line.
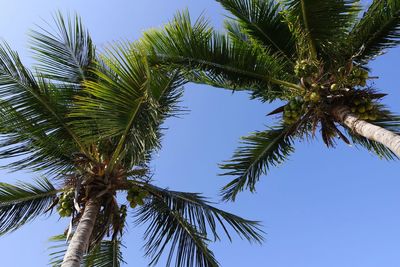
295	114
314	97
372	117
139	200
143	194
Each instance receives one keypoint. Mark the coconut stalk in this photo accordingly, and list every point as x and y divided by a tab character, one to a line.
368	130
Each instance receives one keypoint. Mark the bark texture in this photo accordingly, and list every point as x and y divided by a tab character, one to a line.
80	240
368	130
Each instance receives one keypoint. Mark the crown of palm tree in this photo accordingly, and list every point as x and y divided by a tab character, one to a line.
90	123
311	54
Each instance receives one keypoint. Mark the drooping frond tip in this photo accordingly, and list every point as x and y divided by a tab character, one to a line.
21	203
187	221
259	152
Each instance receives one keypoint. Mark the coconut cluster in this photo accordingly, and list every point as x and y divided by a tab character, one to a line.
323	90
364	109
349	79
292	111
356	77
136	196
66	203
305	68
335	85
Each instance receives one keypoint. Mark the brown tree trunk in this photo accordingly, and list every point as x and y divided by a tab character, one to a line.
80	240
368	130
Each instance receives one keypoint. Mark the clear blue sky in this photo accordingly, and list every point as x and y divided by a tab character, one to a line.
322	208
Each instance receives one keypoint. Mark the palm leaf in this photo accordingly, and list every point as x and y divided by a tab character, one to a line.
259	152
263	21
36	149
183	220
105	254
21	203
324	22
378	29
205	56
66	54
127	103
36	103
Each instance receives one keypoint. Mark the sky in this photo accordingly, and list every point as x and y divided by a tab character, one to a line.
323	207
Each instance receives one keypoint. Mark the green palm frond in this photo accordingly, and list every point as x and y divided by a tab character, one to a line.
127	103
259	152
205	56
324	22
262	20
21	203
378	29
182	221
235	30
65	54
37	104
105	254
36	149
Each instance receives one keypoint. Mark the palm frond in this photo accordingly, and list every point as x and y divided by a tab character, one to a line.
105	254
34	148
65	54
21	203
36	104
205	56
127	103
377	30
263	21
235	31
183	221
259	152
324	22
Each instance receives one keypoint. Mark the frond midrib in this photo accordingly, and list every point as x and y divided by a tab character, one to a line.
230	68
245	172
45	104
306	25
32	197
188	231
382	29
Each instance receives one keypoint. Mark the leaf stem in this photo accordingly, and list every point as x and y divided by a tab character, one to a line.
313	50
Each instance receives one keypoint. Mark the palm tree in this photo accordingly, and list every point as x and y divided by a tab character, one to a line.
311	54
89	124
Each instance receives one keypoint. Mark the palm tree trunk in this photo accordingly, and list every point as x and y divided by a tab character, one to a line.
80	240
368	130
